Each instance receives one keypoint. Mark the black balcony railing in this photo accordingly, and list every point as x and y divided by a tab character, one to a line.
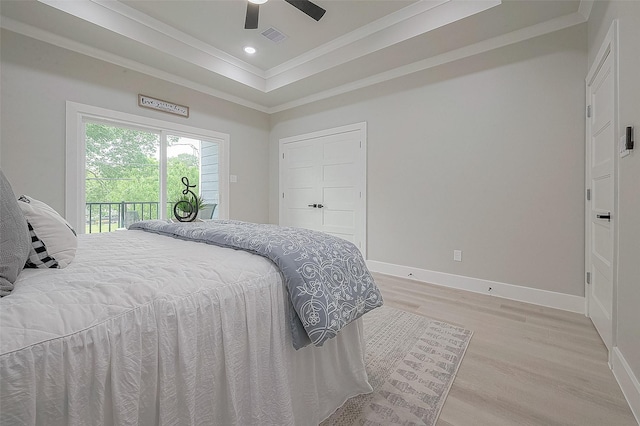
109	216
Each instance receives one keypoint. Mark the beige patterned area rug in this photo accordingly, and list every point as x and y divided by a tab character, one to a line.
411	362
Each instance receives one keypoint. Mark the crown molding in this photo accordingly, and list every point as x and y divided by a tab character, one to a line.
358	34
182	37
415	19
121	19
66	43
513	37
400	26
584	8
453	55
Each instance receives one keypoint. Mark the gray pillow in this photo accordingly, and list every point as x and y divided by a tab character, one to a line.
14	237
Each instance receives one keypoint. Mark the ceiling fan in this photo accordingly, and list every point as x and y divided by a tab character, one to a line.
253	7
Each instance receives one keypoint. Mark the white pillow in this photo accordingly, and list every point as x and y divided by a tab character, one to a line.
53	240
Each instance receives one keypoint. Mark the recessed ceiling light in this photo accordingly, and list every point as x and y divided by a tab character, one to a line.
257	1
250	50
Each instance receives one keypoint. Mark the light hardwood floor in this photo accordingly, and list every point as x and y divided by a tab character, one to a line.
525	365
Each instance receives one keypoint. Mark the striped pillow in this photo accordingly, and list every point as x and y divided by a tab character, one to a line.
41	258
53	240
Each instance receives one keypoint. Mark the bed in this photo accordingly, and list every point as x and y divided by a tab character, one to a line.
144	329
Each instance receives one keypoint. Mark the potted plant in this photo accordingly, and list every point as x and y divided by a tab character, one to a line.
186	204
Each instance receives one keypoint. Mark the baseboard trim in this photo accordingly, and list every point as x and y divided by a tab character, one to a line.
551	299
627	380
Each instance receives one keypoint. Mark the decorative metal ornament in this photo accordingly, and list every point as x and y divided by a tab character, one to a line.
184	210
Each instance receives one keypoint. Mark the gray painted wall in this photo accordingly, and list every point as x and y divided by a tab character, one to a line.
628	289
485	155
37	79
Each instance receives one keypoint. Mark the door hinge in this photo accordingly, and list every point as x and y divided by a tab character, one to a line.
588	194
283	155
588	110
588	277
283	195
360	144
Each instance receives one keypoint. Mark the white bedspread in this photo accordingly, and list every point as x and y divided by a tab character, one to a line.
143	329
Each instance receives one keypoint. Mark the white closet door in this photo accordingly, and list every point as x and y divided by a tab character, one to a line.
323	182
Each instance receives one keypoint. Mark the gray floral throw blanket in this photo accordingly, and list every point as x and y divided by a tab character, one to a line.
326	277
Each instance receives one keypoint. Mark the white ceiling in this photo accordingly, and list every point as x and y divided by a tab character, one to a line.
198	44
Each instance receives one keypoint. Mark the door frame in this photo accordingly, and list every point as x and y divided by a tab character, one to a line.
359	127
609	47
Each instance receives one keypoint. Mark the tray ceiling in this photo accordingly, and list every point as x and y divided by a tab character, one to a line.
198	44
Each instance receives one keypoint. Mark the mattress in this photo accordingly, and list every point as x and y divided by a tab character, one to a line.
143	329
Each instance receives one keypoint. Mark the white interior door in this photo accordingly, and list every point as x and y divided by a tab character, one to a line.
300	179
600	210
323	182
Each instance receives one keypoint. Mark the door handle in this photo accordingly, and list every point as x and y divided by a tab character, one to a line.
604	216
313	205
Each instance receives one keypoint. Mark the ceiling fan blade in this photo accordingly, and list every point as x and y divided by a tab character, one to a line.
311	9
251	21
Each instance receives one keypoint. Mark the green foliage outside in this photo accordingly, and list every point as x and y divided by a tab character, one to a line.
122	165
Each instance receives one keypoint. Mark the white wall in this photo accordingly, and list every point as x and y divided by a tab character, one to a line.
628	290
37	79
485	155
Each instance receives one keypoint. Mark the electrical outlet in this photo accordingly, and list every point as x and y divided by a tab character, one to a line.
457	255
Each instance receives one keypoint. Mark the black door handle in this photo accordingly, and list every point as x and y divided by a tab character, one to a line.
313	205
604	216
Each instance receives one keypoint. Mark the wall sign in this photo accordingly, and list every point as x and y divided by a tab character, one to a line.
164	106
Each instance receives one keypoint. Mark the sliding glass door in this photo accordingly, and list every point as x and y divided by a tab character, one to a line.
198	161
134	174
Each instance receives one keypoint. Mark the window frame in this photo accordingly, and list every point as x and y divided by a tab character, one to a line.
78	114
